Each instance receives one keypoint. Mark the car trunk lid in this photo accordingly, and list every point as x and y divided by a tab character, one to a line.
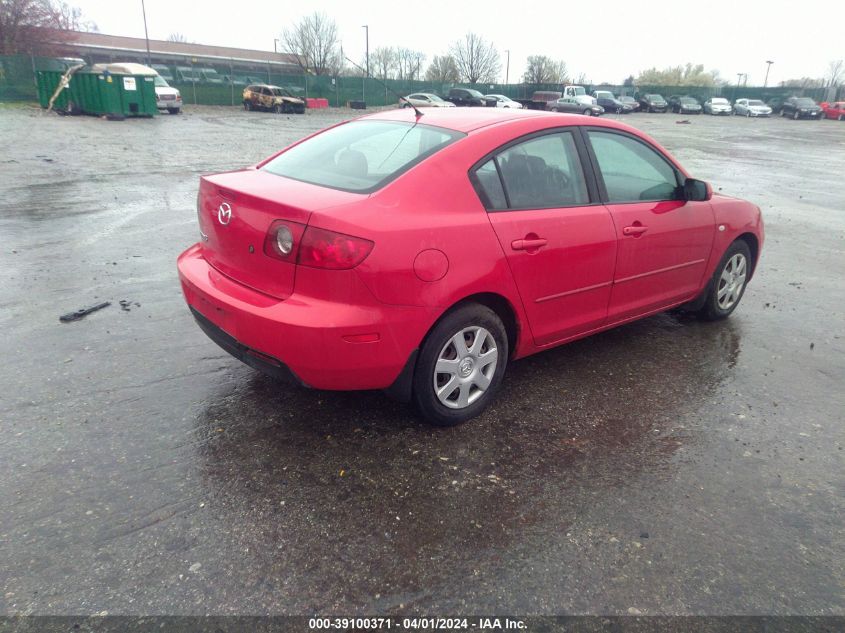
236	210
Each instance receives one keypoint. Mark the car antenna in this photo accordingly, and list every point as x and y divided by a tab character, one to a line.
386	87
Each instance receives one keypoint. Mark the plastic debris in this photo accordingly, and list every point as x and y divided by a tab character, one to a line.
83	312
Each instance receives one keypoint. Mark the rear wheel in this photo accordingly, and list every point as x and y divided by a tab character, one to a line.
728	283
461	365
173	110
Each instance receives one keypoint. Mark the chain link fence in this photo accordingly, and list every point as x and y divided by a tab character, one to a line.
223	84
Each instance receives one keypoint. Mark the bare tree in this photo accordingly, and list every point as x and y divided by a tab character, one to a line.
383	62
22	21
442	70
687	75
545	70
177	37
476	59
313	40
836	72
409	63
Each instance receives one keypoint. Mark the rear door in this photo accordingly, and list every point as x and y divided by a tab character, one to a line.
664	242
558	239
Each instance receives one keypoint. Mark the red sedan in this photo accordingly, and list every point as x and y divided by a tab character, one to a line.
834	110
422	254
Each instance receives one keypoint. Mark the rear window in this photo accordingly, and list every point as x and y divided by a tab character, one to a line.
361	156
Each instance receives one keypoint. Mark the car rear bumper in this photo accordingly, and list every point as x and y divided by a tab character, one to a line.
362	344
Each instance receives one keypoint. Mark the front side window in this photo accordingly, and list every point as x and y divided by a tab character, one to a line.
361	156
632	171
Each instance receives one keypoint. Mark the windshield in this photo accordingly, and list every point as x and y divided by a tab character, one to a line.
474	93
626	99
756	102
578	90
433	97
160	82
361	156
719	101
689	100
654	97
805	102
604	94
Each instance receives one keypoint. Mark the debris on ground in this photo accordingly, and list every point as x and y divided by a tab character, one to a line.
684	122
83	312
126	304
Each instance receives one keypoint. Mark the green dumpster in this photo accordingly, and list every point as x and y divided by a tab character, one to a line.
99	93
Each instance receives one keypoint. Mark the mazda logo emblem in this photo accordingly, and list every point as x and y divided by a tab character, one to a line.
224	213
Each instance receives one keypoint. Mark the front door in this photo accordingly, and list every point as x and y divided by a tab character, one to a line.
560	247
663	242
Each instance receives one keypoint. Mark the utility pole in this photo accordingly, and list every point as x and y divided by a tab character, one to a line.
766	81
507	66
146	35
275	45
366	28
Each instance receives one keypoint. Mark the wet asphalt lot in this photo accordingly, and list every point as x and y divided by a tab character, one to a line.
666	467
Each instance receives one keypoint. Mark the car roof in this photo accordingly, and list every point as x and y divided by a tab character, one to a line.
469	119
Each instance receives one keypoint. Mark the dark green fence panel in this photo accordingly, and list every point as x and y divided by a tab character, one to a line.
222	84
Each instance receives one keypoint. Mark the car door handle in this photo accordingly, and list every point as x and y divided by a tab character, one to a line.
634	230
528	244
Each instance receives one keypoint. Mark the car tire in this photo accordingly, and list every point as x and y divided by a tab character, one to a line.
727	286
406	105
587	112
457	343
841	117
277	109
795	115
248	106
174	110
748	114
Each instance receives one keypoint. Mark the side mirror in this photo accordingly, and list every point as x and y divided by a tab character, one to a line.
697	190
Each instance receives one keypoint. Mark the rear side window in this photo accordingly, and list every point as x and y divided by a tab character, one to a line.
361	156
632	171
540	173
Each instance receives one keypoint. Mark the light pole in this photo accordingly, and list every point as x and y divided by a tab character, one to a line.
366	28
275	45
769	65
507	66
146	35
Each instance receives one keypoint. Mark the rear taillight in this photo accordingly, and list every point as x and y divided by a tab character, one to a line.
334	251
313	247
282	240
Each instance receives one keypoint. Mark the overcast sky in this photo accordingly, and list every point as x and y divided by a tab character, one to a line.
607	40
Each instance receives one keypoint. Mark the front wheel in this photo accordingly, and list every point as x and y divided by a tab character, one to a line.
728	283
248	106
587	113
461	365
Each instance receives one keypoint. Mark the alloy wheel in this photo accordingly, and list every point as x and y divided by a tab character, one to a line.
465	367
732	281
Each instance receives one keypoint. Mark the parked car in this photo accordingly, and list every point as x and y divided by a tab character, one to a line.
606	100
776	104
468	97
503	101
801	108
717	105
653	103
300	273
686	105
573	106
630	101
426	100
542	99
273	98
834	110
751	107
